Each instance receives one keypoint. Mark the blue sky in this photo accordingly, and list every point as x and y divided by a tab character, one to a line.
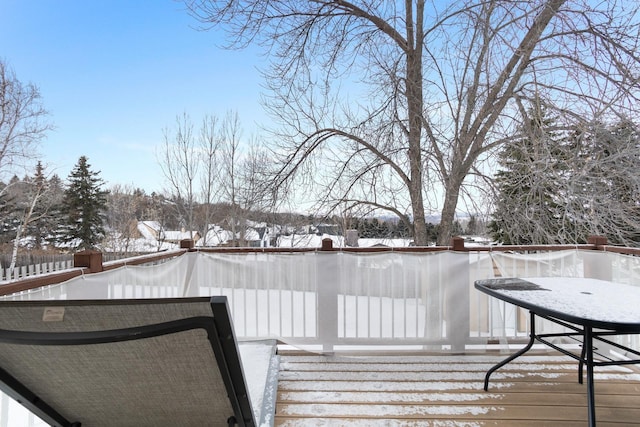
115	73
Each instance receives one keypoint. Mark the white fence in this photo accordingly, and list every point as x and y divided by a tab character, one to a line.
333	299
23	271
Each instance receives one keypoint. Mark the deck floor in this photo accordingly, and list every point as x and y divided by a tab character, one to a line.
538	389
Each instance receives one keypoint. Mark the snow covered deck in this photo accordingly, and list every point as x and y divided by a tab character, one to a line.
446	390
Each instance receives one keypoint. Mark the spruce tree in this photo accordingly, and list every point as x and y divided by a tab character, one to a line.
530	186
608	183
46	194
84	204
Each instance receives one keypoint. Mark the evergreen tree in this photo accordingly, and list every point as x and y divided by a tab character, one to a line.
607	181
432	232
84	204
472	226
560	189
531	186
48	193
456	228
402	230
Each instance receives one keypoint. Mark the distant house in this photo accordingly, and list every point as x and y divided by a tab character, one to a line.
216	236
150	230
261	234
153	230
308	241
331	229
176	236
252	234
384	243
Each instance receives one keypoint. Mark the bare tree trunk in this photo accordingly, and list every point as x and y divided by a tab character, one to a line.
414	103
210	146
448	214
25	221
14	251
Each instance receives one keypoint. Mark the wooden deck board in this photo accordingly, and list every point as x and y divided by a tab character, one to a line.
442	390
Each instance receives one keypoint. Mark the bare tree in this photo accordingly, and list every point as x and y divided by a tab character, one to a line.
124	206
39	197
27	217
23	121
179	162
210	142
242	178
215	166
160	209
394	104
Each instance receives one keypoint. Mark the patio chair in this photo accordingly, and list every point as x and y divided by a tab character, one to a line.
152	362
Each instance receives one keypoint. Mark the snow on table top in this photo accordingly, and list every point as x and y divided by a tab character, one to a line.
590	299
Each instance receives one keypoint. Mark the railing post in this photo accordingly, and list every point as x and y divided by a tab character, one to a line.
457	295
188	244
328	279
457	243
327	244
597	264
89	259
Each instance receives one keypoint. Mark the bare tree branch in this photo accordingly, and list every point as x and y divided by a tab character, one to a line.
422	91
23	120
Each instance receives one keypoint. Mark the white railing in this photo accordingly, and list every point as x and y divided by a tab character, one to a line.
20	272
334	299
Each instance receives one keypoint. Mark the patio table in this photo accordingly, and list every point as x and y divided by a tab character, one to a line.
590	309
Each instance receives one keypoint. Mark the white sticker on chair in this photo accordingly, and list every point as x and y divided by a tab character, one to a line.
53	314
